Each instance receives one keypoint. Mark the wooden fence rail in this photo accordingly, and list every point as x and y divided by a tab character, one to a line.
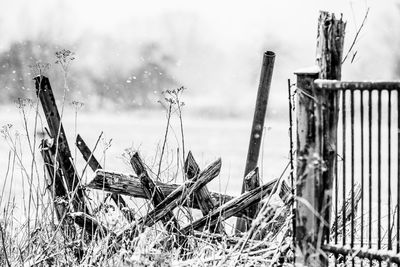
130	185
64	181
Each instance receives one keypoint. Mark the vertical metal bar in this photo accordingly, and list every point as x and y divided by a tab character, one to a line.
292	169
344	168
362	167
389	168
379	164
352	170
370	170
398	173
336	202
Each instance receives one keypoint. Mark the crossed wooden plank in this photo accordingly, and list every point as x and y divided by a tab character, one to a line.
202	196
95	165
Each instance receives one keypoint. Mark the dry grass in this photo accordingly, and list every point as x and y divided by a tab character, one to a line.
37	238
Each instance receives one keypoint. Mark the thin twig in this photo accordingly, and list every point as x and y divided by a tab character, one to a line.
165	140
91	154
356	37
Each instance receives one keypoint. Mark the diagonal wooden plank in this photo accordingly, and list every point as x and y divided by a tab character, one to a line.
183	192
87	153
95	165
152	191
202	196
230	208
176	198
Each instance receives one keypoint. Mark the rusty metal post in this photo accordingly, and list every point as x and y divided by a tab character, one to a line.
242	225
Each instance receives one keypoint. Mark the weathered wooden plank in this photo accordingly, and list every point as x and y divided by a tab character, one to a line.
202	196
182	193
252	181
258	125
152	191
59	195
230	208
130	185
55	183
95	165
87	154
176	198
64	158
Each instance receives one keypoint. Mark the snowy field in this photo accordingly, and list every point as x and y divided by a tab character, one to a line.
207	137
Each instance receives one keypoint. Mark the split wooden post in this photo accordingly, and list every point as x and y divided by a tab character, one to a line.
63	157
56	186
317	116
54	181
242	225
330	41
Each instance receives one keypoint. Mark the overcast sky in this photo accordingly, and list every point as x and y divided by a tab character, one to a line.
218	45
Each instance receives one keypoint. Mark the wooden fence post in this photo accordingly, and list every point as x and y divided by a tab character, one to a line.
242	225
330	40
317	116
306	225
63	157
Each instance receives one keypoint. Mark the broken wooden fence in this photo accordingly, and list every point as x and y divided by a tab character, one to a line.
70	202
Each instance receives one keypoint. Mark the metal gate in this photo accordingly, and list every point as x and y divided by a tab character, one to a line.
365	221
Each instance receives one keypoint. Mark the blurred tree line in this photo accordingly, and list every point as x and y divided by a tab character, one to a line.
142	87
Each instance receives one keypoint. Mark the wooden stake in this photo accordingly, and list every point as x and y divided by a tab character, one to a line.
59	188
64	158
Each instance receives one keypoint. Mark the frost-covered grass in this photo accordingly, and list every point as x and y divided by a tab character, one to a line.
30	233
